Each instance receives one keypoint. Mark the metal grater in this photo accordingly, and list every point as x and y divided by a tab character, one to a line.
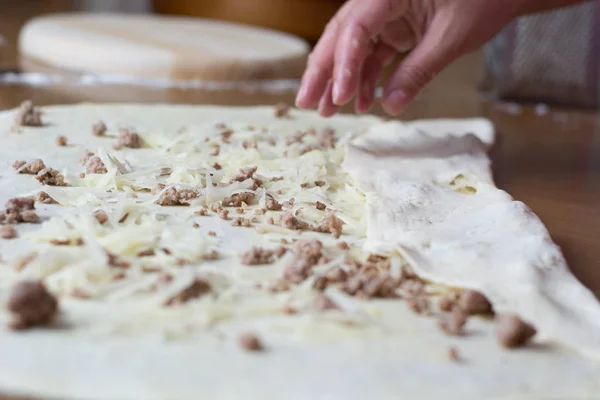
551	57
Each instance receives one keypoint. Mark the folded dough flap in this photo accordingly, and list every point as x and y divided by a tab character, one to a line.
430	151
480	239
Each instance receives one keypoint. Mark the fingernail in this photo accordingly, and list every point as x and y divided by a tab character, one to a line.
301	94
335	93
396	101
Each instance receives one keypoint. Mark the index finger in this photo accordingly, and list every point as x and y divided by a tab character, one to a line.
365	21
320	62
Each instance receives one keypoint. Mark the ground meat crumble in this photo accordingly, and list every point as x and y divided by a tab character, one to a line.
327	138
245	174
342	246
32	168
85	157
307	255
93	164
28	115
216	149
331	224
272	204
223	214
50	177
99	129
455	323
250	342
67	242
101	216
226	135
289	221
194	290
249	144
8	232
30	305
19	210
289	310
117	262
282	110
419	304
238	199
366	283
157	189
289	203
454	354
298	137
324	303
18	164
61	141
512	331
176	197
473	302
261	256
336	274
212	256
245	222
129	139
446	303
165	171
45	198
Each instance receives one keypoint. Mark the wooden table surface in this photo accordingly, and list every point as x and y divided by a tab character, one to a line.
550	161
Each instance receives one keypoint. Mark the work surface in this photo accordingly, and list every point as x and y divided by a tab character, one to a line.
549	159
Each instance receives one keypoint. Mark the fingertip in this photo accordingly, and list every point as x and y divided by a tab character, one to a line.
326	106
328	112
336	95
364	106
327	109
364	102
301	100
396	101
344	88
311	88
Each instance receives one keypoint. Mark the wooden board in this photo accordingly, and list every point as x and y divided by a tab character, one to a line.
309	16
145	46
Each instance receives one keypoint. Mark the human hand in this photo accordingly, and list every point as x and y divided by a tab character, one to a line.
366	35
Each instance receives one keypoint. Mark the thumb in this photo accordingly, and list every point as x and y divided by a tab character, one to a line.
438	48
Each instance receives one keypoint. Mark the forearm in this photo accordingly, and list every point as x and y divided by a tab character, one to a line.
535	6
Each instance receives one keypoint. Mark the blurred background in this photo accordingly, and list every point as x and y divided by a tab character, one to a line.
305	18
551	58
309	16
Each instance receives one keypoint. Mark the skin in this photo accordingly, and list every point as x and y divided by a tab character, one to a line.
366	35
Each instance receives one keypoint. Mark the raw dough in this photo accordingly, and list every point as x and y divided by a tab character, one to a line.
483	240
125	346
